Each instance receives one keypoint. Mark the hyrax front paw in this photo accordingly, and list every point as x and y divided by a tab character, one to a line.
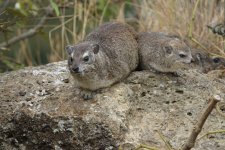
87	95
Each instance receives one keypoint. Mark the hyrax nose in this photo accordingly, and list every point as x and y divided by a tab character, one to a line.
75	69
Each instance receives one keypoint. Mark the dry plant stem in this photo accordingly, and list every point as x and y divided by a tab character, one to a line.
85	18
190	35
29	33
192	19
224	12
146	147
194	40
165	141
74	21
224	24
198	127
219	49
50	36
211	132
63	32
104	11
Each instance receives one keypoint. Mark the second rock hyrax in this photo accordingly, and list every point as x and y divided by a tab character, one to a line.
107	55
204	61
162	52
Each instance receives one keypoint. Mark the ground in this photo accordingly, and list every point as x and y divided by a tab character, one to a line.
41	109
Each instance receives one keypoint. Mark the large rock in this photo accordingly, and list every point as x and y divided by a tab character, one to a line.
41	109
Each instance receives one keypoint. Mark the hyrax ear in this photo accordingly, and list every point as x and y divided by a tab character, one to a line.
168	49
95	48
198	56
69	49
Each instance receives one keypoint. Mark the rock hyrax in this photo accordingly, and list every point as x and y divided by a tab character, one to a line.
162	52
205	61
107	55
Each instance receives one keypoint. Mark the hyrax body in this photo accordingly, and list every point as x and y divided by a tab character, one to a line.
205	61
162	52
106	56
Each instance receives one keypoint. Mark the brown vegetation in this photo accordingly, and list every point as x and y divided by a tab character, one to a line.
77	18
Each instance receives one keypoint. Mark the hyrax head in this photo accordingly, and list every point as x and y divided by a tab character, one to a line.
82	57
178	51
207	60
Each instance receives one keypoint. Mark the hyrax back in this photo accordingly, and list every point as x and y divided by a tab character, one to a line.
162	52
107	55
205	61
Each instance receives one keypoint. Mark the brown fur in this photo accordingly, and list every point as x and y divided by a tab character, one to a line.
117	56
205	62
154	48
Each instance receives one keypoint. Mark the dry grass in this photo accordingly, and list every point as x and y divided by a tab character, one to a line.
172	16
73	29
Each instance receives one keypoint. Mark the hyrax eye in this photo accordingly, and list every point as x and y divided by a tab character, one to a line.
216	60
86	59
182	55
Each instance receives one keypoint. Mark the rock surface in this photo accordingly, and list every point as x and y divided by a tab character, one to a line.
40	110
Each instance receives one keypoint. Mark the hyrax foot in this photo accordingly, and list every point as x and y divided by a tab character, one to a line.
87	95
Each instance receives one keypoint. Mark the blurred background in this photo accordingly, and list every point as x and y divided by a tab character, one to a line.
35	32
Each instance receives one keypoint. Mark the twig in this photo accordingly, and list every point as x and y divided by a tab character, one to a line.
198	127
29	33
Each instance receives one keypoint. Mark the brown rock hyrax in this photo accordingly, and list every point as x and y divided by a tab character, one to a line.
204	61
162	52
107	55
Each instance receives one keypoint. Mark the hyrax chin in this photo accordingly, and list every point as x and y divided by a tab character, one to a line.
106	56
162	52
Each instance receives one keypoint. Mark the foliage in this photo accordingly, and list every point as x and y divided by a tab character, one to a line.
55	7
73	19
